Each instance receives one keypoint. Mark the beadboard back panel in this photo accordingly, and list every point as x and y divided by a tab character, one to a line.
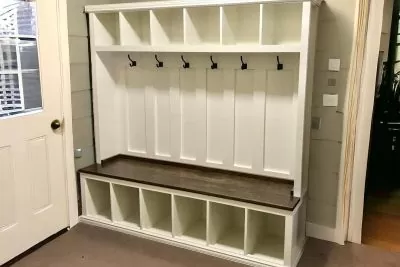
228	118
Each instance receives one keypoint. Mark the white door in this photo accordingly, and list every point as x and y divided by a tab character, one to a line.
33	199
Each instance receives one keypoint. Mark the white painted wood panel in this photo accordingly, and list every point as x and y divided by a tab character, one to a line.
220	116
192	112
136	83
38	173
165	83
279	121
249	118
7	189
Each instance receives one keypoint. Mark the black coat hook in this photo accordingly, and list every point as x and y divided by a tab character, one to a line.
159	64
132	62
186	65
279	65
213	65
244	65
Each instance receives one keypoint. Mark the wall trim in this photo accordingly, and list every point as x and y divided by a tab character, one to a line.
321	232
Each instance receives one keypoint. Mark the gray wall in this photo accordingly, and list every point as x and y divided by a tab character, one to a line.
80	80
335	37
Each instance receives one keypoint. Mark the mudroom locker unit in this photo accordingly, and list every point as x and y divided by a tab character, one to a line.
202	124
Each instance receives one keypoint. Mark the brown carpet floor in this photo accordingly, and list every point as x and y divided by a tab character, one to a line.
91	246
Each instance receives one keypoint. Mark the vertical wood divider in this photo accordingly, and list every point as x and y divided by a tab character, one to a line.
246	226
173	216
288	240
297	168
120	34
221	26
208	221
260	35
185	26
141	209
112	202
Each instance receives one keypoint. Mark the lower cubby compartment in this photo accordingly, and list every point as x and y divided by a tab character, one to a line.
125	205
190	219
265	236
226	227
156	212
97	200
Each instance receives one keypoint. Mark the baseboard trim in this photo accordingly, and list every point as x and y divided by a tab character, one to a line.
321	232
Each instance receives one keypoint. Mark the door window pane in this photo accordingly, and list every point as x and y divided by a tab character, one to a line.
20	89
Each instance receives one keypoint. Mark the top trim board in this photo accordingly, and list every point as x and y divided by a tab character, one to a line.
182	4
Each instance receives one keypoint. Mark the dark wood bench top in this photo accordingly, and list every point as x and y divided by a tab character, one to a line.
225	184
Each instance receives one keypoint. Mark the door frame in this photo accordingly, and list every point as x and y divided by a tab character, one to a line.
351	204
68	147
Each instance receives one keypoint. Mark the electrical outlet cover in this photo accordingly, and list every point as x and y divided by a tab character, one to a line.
330	100
334	64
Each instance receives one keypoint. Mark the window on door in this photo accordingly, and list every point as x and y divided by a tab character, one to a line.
20	90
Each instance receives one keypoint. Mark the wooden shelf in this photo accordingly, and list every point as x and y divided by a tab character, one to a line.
183	3
243	187
240	28
203	48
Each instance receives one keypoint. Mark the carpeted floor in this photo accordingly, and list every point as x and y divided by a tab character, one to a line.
91	246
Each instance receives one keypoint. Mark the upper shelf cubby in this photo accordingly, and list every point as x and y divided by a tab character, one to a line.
281	24
106	29
202	26
199	26
241	25
167	26
135	28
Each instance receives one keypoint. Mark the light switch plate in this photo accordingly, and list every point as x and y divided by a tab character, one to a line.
334	64
330	100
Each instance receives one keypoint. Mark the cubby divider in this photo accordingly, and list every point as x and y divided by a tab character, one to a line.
166	26
106	28
189	220
125	205
265	236
156	212
135	28
226	227
97	201
241	25
202	26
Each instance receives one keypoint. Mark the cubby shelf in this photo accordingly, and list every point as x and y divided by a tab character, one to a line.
125	205
229	227
156	213
98	203
256	28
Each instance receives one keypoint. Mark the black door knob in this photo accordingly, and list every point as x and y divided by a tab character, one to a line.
56	124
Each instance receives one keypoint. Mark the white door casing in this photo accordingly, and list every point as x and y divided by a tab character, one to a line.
33	158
